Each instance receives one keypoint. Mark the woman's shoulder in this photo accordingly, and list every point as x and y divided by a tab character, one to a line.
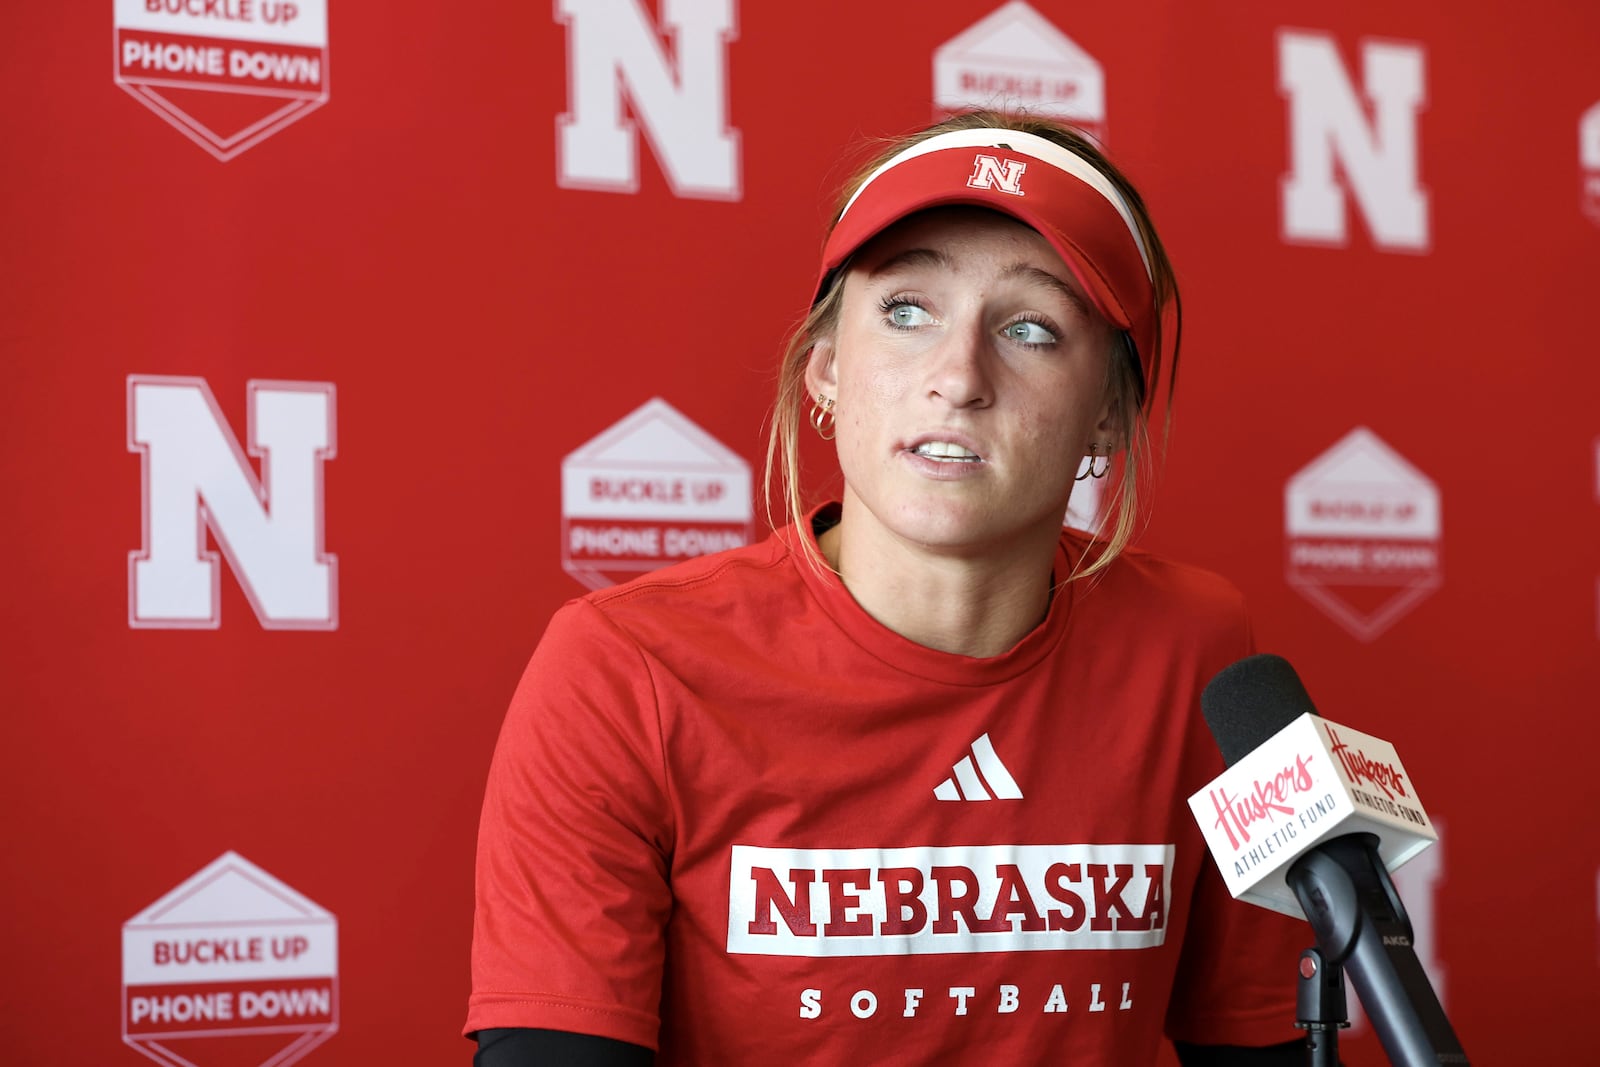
713	591
1162	594
680	581
1142	569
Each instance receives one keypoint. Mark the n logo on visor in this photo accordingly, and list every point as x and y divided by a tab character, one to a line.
991	173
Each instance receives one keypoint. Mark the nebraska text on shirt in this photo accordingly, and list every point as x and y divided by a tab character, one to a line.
964	898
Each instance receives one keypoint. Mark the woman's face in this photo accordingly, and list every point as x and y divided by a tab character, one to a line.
970	378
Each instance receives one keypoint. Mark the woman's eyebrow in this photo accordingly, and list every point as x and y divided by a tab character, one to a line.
1029	272
912	257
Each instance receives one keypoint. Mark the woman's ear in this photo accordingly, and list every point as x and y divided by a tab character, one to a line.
1112	425
822	378
1109	428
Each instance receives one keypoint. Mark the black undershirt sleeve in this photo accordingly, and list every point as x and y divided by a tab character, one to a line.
1288	1054
538	1048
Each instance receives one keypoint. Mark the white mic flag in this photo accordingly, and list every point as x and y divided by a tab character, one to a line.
1311	781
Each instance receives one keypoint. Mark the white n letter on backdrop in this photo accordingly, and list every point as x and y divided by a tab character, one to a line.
1328	123
196	476
682	99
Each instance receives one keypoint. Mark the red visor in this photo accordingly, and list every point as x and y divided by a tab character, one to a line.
1028	178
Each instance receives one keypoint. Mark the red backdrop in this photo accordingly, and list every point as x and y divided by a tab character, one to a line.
1384	220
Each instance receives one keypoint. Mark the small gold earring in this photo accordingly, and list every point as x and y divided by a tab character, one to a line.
822	419
1099	466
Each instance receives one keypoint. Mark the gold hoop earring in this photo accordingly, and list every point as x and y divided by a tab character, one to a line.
1093	470
822	419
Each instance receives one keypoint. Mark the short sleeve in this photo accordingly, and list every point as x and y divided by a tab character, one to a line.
1238	974
572	895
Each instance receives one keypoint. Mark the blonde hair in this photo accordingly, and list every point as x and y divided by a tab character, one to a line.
1125	379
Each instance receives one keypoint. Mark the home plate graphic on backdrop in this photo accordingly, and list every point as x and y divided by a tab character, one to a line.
233	968
1015	57
651	490
1362	531
227	73
1589	162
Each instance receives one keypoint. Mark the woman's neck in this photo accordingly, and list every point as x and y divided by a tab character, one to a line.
973	604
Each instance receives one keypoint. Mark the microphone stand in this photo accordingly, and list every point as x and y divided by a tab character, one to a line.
1320	1008
1362	927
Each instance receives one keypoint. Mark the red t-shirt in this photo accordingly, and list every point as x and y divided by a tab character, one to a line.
731	816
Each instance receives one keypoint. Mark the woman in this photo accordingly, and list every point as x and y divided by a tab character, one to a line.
899	785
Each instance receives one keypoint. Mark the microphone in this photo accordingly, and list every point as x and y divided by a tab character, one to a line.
1308	819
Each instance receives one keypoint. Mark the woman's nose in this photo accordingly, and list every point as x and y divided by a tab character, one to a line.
959	370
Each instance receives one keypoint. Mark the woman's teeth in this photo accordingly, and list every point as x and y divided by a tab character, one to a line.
945	452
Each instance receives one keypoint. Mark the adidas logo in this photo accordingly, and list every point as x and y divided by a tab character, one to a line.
979	776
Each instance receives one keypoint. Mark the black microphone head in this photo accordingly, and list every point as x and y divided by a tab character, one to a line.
1249	701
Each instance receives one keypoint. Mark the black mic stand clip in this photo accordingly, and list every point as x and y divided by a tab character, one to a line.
1361	926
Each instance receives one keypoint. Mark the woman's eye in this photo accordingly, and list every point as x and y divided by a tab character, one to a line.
1029	333
907	315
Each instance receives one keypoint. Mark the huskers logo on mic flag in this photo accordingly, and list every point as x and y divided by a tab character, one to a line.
1363	530
231	967
651	490
226	73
